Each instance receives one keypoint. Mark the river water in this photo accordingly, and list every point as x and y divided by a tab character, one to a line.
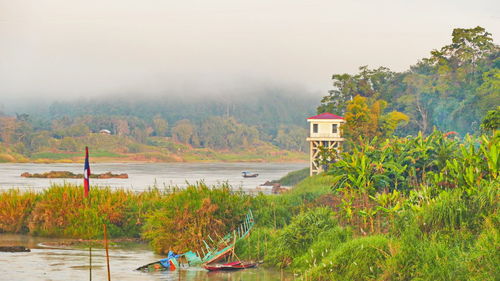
145	175
46	262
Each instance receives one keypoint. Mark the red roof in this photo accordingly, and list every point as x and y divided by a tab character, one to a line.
326	115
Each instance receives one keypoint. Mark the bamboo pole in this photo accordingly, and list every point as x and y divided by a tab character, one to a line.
258	245
90	242
90	262
107	252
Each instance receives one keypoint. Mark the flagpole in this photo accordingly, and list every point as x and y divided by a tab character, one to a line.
86	187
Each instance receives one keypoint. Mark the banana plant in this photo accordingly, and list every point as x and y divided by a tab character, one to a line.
491	153
369	214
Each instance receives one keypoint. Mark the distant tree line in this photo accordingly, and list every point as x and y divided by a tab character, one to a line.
226	125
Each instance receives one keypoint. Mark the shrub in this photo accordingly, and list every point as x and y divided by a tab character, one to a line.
295	239
294	177
62	211
15	207
326	242
447	211
256	246
358	259
189	216
484	259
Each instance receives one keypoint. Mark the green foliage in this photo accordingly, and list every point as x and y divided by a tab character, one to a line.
428	259
491	121
292	138
189	216
452	90
447	211
227	133
256	246
365	118
294	177
404	163
356	259
62	211
185	132
15	208
326	242
368	83
296	237
484	260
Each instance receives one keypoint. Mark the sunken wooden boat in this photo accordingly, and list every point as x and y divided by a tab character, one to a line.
214	250
225	246
237	265
168	263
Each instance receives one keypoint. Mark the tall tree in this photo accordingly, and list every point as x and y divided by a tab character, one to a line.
184	131
367	83
160	126
369	120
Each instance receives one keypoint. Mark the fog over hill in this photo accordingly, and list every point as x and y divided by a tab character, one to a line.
55	49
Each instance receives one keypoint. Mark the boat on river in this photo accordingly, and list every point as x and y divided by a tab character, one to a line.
249	175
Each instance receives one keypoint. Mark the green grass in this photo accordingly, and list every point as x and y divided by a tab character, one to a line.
294	177
55	156
106	154
315	185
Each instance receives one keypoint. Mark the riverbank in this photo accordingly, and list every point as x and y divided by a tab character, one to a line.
99	153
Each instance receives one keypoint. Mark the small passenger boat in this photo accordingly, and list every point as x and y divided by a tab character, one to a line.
237	265
249	175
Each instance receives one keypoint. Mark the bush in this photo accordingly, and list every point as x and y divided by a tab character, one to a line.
484	259
358	259
326	242
295	239
294	177
15	207
189	216
256	246
62	211
447	211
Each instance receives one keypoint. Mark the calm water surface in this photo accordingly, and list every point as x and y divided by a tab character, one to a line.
46	262
144	175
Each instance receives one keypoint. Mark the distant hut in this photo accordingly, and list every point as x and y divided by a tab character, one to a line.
105	132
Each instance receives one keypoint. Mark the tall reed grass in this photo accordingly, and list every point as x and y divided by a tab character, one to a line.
15	208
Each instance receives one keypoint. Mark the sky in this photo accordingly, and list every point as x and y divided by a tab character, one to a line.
60	49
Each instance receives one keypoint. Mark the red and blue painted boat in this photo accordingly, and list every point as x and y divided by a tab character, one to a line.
237	265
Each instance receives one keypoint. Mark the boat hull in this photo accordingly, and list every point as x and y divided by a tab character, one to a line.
229	266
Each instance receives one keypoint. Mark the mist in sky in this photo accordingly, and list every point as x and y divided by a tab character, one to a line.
59	49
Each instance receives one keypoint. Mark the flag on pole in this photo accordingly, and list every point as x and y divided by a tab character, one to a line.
86	173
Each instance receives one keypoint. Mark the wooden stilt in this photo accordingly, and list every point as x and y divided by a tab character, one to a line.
107	252
90	262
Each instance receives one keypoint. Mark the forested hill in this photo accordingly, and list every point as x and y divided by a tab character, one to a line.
452	90
267	110
262	125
